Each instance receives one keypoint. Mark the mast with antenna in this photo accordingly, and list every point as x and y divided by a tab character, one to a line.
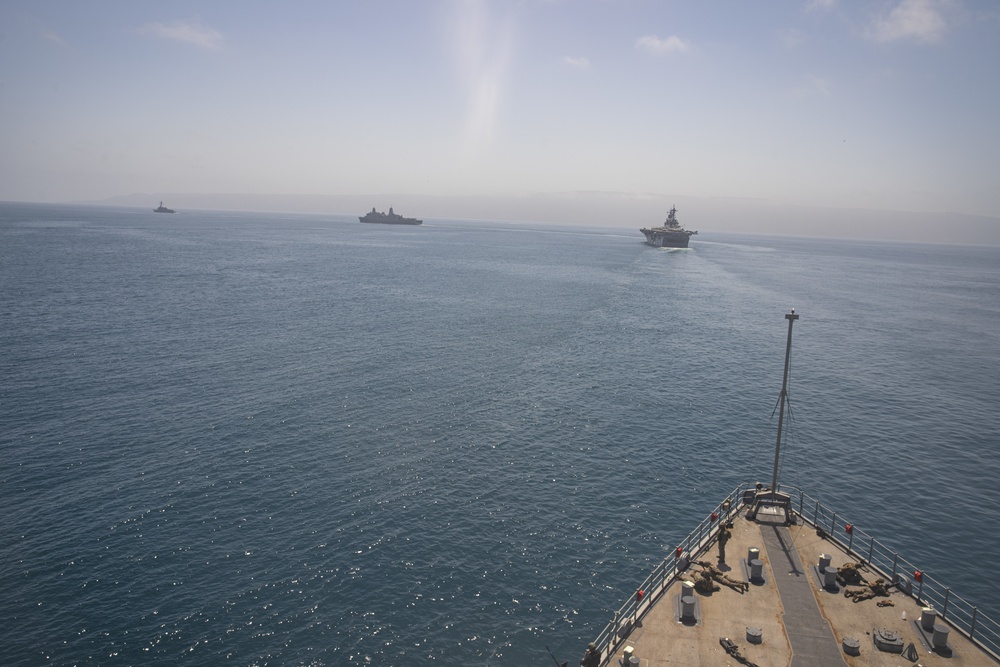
770	505
791	317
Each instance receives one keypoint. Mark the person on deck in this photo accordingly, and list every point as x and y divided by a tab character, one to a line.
724	535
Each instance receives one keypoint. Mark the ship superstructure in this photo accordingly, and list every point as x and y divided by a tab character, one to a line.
670	234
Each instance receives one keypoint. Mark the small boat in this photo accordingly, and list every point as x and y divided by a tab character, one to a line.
163	209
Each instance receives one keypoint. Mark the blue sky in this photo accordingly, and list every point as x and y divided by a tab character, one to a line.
884	104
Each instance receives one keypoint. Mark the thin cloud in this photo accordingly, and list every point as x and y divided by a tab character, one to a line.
793	38
188	32
820	5
582	62
653	45
919	20
815	87
51	36
484	45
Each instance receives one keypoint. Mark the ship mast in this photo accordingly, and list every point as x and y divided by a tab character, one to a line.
791	317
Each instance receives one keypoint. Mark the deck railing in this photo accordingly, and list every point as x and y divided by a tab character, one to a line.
960	614
665	573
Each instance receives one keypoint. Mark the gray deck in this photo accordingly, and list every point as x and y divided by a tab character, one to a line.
812	639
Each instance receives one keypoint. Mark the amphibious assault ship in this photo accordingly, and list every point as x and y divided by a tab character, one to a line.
389	218
670	234
772	577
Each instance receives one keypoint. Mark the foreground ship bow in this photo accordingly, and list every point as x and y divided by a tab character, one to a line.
670	234
771	577
389	218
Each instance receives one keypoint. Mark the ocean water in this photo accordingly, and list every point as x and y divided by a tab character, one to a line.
258	439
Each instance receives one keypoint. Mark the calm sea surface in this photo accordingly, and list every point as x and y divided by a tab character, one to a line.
287	439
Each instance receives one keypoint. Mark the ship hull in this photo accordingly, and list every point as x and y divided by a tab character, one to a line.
404	221
666	239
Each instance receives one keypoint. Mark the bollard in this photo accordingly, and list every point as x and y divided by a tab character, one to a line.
756	569
753	553
830	577
687	607
928	617
851	646
824	562
940	637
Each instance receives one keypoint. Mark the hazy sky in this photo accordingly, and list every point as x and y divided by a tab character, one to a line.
889	104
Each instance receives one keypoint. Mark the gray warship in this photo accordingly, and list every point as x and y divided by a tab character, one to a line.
670	234
389	218
163	209
772	577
